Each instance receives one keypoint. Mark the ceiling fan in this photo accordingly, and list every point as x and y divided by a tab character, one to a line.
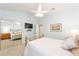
39	12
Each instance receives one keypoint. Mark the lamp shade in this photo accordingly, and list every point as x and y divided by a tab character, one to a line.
74	32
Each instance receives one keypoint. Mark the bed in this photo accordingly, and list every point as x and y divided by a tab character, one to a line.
16	35
46	47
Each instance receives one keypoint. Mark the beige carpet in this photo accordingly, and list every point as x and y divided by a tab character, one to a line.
12	48
16	48
8	43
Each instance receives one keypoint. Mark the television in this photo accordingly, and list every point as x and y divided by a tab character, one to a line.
28	25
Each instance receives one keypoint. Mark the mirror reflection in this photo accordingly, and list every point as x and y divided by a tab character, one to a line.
11	33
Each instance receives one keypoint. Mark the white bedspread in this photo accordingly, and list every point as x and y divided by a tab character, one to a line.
46	47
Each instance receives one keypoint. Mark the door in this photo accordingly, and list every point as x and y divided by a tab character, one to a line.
39	31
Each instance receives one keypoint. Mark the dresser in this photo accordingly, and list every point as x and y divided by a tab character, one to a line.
5	36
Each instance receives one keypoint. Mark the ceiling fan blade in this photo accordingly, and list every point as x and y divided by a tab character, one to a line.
39	11
34	11
43	11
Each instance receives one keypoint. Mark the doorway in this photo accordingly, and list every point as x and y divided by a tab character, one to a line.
39	31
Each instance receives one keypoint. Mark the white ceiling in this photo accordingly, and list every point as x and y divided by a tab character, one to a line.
28	7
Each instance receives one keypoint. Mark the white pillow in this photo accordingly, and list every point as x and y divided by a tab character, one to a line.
69	43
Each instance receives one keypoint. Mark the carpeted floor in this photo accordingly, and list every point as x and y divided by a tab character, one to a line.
12	48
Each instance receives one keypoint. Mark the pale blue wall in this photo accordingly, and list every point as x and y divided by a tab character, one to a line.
22	18
69	19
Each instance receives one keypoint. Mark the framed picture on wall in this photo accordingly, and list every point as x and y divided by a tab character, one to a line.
57	27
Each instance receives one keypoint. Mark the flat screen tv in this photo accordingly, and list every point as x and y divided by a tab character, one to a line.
28	26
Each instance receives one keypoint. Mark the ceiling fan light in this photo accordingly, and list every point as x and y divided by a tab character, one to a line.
39	14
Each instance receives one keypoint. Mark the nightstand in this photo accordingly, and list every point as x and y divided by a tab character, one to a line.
75	51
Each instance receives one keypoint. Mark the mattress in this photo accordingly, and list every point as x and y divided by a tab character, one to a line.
46	47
